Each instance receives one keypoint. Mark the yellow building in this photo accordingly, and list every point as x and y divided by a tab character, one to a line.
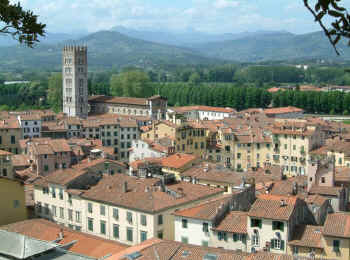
178	163
332	241
10	134
292	142
12	201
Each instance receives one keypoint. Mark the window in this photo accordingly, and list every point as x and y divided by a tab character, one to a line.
103	227
90	207
295	250
54	211
102	210
61	212
239	156
46	168
143	220
277	225
70	215
255	223
38	206
184	240
91	224
143	235
116	231
60	194
160	219
78	217
13	139
336	245
184	223
116	214
160	234
129	217
255	239
16	204
205	243
4	172
205	227
222	236
285	147
323	179
129	234
277	244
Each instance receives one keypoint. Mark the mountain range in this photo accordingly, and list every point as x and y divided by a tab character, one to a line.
122	47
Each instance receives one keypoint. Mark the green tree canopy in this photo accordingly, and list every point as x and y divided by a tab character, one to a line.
131	83
22	25
54	92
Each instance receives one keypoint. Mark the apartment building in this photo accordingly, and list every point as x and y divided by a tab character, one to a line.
141	149
6	168
292	142
117	207
284	112
47	155
31	125
272	220
12	201
10	134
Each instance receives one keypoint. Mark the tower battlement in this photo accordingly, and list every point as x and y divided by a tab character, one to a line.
75	48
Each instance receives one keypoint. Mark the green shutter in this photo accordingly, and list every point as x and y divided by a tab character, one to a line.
282	227
260	223
225	236
282	244
235	237
251	222
273	225
272	244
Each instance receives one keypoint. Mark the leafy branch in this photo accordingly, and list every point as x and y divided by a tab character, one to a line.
340	27
22	25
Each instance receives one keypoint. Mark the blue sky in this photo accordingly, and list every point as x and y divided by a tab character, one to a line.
214	16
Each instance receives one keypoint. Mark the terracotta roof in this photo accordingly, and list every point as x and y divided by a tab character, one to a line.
205	210
307	236
47	146
30	117
282	110
85	244
204	108
61	177
11	123
337	225
270	207
234	222
57	126
275	89
2	152
154	161
317	200
342	174
325	190
146	195
19	160
119	100
178	160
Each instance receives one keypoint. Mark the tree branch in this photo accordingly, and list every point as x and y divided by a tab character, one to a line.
322	25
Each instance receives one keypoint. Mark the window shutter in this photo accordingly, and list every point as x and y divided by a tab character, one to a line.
273	225
235	237
272	244
282	244
251	222
282	227
244	238
260	223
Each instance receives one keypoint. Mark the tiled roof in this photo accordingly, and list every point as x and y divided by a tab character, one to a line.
270	207
145	195
178	160
342	174
47	146
20	160
274	89
204	108
48	231
337	225
325	190
61	177
11	123
317	200
119	100
307	236
2	152
283	110
204	211
234	222
30	117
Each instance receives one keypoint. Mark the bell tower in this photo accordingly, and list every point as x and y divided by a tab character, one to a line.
75	81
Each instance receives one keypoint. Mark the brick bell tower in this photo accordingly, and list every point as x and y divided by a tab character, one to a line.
75	81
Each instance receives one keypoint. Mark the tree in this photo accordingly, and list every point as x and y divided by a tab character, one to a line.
340	25
22	25
131	83
54	92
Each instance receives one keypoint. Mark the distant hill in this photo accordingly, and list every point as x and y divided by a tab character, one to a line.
106	49
186	38
276	46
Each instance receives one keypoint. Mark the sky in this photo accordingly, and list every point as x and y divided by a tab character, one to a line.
212	16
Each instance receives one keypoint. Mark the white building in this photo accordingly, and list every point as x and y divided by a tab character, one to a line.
119	207
31	125
200	112
141	149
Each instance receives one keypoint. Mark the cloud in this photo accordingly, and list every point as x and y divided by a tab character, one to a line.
206	15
